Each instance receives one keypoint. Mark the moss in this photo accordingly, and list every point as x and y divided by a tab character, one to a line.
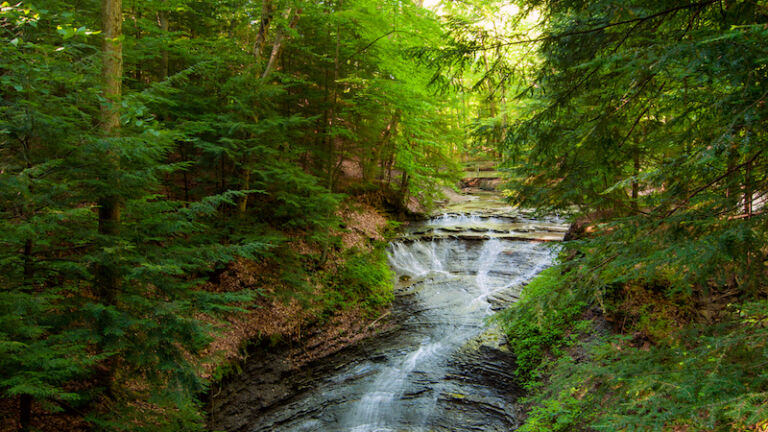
542	322
363	279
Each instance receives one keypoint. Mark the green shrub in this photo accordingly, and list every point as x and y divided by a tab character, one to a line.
567	412
700	378
542	322
364	279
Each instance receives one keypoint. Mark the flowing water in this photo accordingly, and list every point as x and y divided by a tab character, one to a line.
442	369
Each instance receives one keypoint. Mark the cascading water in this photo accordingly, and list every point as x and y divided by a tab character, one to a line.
430	374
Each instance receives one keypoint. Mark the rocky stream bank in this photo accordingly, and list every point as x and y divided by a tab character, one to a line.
431	363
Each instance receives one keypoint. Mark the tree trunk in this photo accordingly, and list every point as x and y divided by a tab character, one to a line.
245	174
635	183
379	151
332	118
732	182
748	189
25	412
390	165
110	203
162	22
112	74
245	184
404	192
278	45
112	67
264	23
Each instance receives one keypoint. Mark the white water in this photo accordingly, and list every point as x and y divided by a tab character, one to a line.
428	375
457	279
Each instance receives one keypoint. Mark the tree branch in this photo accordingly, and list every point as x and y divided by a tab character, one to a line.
365	48
603	27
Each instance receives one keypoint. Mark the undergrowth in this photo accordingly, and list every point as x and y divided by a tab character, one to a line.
542	322
363	279
653	372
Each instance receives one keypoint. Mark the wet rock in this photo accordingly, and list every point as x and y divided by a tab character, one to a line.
439	368
536	236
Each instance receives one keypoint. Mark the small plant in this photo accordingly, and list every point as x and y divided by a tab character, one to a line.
542	322
363	279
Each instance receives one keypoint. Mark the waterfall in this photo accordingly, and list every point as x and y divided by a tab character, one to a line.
488	256
428	374
456	280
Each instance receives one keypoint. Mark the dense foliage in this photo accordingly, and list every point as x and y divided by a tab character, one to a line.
646	120
543	322
650	115
144	145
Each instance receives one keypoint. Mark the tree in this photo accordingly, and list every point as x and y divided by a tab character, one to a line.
645	120
139	160
659	99
41	223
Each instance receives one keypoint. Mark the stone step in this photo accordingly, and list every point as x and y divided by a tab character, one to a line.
535	236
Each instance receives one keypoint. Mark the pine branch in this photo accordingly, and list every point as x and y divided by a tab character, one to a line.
373	42
710	184
636	21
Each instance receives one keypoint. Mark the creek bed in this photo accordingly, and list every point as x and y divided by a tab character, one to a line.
440	368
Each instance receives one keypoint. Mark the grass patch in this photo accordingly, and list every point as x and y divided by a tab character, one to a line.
542	322
363	279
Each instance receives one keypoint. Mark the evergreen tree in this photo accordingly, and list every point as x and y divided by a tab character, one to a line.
650	114
145	145
43	228
645	122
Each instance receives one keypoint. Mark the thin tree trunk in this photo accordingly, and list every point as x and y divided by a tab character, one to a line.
278	45
162	22
25	412
280	37
110	204
635	183
636	172
748	189
504	115
385	137
731	188
332	118
112	67
245	184
390	165
136	17
404	192
264	23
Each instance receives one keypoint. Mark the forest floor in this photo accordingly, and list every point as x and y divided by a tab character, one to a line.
277	319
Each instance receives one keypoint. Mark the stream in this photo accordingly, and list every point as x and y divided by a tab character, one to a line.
441	367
